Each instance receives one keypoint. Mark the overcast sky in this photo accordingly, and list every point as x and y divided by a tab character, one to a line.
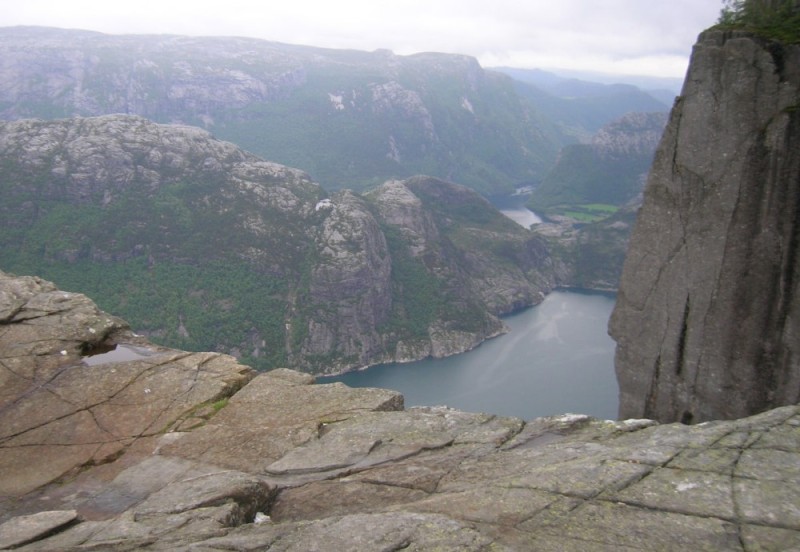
633	37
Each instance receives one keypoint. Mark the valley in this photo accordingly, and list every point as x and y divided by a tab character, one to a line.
125	188
259	222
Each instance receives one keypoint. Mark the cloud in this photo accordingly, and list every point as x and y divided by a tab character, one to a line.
646	36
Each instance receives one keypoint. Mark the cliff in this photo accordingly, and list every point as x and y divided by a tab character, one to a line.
204	246
707	314
147	448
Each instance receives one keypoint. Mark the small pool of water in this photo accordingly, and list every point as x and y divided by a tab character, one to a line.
120	353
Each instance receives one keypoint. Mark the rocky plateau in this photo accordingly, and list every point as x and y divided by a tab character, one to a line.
193	451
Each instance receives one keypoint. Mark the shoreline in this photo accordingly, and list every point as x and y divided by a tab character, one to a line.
570	289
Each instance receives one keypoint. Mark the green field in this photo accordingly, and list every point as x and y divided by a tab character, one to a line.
587	212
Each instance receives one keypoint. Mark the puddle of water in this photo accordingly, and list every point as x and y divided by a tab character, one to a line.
120	353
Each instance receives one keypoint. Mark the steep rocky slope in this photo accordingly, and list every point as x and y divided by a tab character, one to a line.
707	316
351	119
207	247
192	451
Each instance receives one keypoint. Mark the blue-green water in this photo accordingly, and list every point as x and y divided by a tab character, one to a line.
557	358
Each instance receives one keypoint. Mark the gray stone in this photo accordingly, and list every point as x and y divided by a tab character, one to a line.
23	529
357	533
372	479
60	414
273	415
707	315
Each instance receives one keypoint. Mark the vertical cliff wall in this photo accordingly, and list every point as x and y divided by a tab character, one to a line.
707	321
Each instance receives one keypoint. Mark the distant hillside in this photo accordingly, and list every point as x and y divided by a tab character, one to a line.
610	169
201	245
581	107
350	119
590	198
546	79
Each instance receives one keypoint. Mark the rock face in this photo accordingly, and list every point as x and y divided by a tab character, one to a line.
706	321
413	269
178	451
61	411
206	247
350	292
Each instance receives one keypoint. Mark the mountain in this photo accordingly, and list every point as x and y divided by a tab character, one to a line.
202	245
590	198
610	168
554	78
580	107
707	313
350	119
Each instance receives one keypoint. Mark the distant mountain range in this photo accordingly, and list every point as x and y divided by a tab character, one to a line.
656	86
580	107
350	119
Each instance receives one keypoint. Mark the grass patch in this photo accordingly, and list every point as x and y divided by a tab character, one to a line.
220	404
587	212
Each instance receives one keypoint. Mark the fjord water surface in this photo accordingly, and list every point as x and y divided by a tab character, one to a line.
514	208
557	358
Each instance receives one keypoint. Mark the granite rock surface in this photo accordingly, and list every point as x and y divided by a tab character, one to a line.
707	315
192	451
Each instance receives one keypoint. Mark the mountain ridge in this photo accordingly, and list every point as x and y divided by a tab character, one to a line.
351	119
205	246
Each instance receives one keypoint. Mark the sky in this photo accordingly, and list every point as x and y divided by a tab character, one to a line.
625	37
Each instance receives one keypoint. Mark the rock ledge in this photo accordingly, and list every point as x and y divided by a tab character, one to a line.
192	451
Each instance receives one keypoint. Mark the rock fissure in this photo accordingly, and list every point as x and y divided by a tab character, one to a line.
737	509
99	425
31	390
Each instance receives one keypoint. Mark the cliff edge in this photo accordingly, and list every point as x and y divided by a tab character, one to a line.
147	448
708	312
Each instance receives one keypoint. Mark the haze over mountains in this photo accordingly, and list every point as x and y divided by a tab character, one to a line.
350	119
205	244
